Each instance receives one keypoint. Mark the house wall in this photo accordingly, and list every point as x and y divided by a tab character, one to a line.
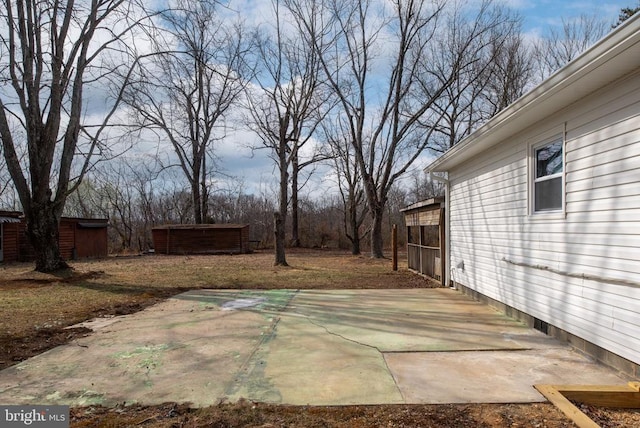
578	271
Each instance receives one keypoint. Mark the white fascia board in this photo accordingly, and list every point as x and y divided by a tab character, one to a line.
613	57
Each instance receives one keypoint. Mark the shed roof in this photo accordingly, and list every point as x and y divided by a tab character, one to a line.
613	57
4	219
10	216
17	216
92	225
86	219
423	204
201	226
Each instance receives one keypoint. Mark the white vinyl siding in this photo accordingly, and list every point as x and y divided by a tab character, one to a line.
579	271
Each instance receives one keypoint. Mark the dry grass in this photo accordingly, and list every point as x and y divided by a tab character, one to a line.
33	301
308	269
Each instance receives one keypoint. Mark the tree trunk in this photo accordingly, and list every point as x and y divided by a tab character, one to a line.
280	217
355	226
355	246
377	245
197	202
204	193
295	237
43	233
279	226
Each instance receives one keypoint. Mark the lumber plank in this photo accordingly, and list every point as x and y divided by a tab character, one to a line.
618	399
620	396
565	406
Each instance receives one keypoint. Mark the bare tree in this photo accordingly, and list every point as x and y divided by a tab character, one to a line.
185	88
87	200
174	205
300	165
422	187
391	114
120	206
53	53
510	74
349	181
8	199
499	71
285	107
561	46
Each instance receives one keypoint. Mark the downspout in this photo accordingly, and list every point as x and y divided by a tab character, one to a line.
447	216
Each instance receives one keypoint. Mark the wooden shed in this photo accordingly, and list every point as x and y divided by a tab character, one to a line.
83	238
11	229
201	238
80	238
425	237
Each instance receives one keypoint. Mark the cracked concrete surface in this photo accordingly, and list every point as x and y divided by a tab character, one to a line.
318	347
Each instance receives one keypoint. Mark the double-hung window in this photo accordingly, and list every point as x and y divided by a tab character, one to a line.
548	188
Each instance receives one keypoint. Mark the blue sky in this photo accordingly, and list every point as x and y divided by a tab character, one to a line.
540	14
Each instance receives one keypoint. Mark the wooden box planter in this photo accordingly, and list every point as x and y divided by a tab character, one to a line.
613	396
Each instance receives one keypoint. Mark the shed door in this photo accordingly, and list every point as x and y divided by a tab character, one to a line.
1	241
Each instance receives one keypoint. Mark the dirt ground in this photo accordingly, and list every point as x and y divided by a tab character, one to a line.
247	414
36	308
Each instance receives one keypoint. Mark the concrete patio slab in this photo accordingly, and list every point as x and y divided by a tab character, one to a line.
415	320
304	364
328	347
185	349
493	376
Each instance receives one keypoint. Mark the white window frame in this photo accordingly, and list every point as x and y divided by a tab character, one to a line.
551	138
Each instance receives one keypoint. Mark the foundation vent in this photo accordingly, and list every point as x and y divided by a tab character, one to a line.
541	325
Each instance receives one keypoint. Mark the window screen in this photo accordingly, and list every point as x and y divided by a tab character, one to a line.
547	188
